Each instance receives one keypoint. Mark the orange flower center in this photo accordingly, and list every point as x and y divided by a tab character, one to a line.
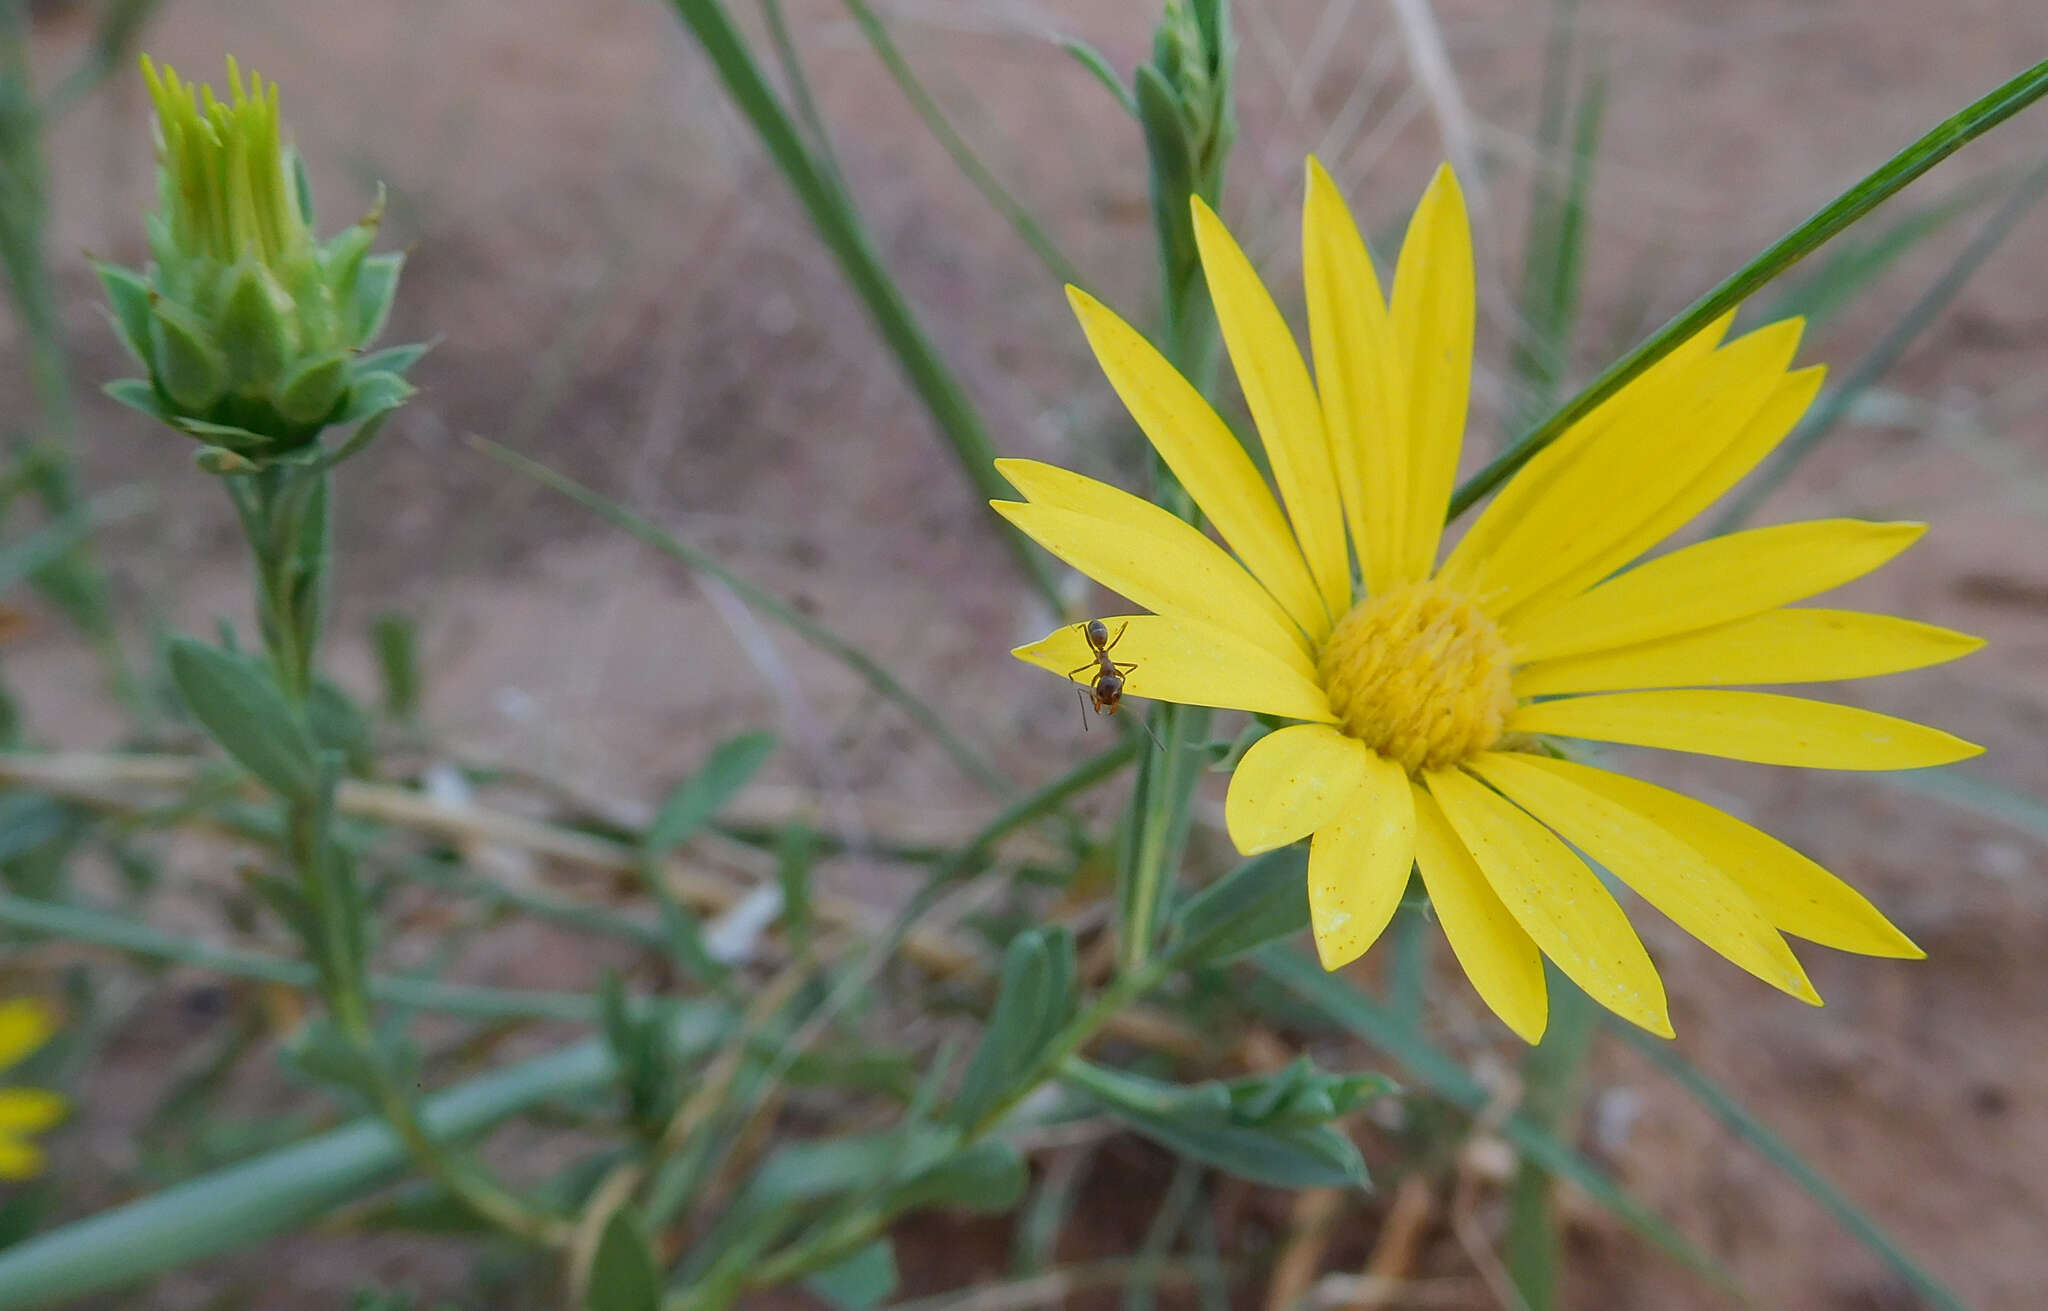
1420	675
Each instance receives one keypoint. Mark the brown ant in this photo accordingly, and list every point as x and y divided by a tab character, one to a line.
1106	689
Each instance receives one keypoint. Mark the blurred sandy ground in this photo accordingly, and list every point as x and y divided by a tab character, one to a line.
627	292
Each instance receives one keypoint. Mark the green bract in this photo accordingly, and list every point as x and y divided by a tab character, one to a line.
252	329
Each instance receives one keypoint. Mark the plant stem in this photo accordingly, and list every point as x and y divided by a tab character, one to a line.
71	923
821	1249
831	211
75	582
1021	220
877	676
284	514
1887	181
1824	416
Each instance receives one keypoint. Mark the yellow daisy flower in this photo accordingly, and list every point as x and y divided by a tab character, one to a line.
1425	687
24	1026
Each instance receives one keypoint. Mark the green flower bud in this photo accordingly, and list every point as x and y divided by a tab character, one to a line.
252	328
1191	52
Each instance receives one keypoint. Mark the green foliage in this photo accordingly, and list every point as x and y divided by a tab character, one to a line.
623	1275
763	1121
860	1282
1264	898
1032	1004
693	802
238	702
1267	1134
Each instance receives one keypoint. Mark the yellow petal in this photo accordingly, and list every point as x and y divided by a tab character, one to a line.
1283	404
1709	583
1358	866
1662	868
1497	955
19	1160
1432	309
1291	783
1556	899
1780	412
1188	663
1757	726
1477	564
1777	646
24	1026
1358	378
30	1110
1134	548
1796	894
1604	490
1206	458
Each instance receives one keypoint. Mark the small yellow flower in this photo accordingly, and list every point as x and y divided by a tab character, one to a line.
1426	688
24	1026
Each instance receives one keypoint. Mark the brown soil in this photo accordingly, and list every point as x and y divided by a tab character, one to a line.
628	292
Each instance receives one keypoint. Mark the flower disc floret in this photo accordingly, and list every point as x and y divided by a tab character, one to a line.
1420	674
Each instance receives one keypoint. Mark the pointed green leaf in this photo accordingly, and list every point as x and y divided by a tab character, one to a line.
376	288
987	1177
256	330
623	1275
223	434
309	393
693	803
128	297
862	1281
1188	1121
222	462
1018	1028
139	394
235	699
396	640
189	367
392	359
1263	899
1096	63
370	395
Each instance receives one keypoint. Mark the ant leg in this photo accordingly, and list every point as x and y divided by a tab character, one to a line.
1079	669
1119	634
1121	667
1084	709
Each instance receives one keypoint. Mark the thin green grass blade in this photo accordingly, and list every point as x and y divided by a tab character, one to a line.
831	211
283	1190
1887	181
1541	351
1852	265
1553	1080
1731	1112
1979	795
84	924
1824	417
800	96
1015	212
1365	1018
871	671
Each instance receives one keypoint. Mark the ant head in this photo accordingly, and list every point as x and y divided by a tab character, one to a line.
1097	633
